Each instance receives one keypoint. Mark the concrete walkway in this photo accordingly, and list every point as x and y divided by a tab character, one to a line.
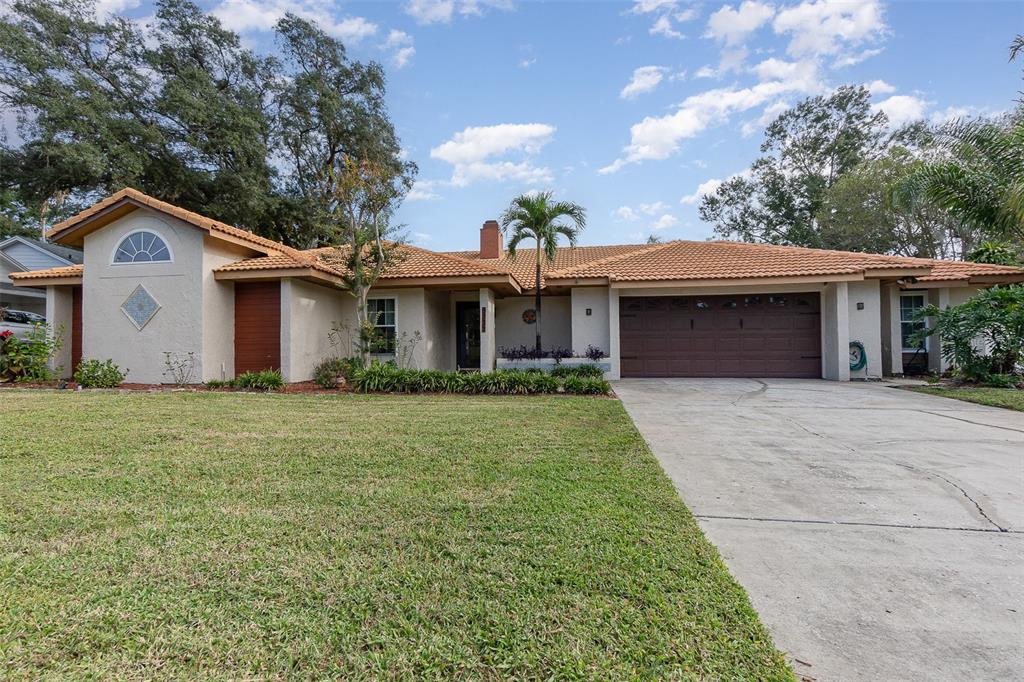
879	533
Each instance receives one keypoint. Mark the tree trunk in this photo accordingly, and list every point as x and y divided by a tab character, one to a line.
536	304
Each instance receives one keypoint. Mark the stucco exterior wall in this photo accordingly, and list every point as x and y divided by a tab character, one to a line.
438	334
307	313
556	330
866	325
410	317
835	332
59	311
218	312
177	286
592	329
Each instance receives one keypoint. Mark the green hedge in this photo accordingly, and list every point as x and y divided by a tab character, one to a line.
577	371
385	378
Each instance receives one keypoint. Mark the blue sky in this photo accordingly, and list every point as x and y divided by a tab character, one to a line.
632	108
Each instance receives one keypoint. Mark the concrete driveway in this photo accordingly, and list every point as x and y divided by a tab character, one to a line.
877	531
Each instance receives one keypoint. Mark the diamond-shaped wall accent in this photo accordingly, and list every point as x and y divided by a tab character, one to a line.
140	307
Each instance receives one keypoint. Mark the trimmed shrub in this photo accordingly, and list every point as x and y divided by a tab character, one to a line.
265	380
96	374
387	378
326	374
587	386
563	371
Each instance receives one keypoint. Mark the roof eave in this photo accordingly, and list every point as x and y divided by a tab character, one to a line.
255	275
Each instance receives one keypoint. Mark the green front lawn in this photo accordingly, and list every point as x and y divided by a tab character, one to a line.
1009	398
186	535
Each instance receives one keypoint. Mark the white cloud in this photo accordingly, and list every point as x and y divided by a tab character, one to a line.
658	137
731	26
405	50
106	8
768	114
648	6
856	57
403	56
262	15
822	27
664	222
688	14
422	190
954	112
663	27
527	63
651	209
471	152
880	87
422	237
645	79
902	109
441	11
430	11
706	187
626	213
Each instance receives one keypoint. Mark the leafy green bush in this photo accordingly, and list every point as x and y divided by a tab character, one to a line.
99	374
983	336
583	385
563	371
388	378
327	372
265	380
27	359
218	383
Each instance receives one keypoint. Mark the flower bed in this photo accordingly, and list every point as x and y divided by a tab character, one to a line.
382	378
548	364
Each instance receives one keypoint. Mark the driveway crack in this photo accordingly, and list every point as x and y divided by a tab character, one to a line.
751	394
910	467
870	524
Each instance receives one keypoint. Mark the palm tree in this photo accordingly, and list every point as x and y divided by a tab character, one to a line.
541	219
980	182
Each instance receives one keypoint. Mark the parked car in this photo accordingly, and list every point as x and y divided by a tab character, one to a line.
23	317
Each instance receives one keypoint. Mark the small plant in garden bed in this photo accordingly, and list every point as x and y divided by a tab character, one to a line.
99	374
27	359
265	380
593	353
330	372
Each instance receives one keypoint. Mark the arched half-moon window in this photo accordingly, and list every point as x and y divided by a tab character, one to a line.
142	247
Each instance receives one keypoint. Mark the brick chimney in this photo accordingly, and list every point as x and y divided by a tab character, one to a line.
490	240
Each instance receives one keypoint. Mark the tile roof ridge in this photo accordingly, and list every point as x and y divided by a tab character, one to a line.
641	248
458	259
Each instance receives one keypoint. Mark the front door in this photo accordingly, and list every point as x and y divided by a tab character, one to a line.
467	335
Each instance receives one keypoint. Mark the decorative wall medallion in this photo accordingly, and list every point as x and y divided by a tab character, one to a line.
140	307
529	316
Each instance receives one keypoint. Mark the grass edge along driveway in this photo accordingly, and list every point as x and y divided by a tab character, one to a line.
188	535
1009	398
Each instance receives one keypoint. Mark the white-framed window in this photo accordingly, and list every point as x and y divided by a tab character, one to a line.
381	313
910	304
142	246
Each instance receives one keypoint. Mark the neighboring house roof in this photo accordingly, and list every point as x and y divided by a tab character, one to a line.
31	254
666	262
67	272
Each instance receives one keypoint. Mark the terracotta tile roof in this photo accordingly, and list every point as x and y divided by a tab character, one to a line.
959	270
677	260
413	262
523	267
63	271
202	222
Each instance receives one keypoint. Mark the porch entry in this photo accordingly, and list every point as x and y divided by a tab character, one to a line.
467	335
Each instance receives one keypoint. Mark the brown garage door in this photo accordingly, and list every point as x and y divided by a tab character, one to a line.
754	335
257	326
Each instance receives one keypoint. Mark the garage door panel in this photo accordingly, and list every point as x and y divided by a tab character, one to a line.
771	335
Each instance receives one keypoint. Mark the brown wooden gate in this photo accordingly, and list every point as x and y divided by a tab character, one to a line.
76	328
257	326
751	335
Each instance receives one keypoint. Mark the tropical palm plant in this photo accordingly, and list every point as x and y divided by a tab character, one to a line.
540	218
981	179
